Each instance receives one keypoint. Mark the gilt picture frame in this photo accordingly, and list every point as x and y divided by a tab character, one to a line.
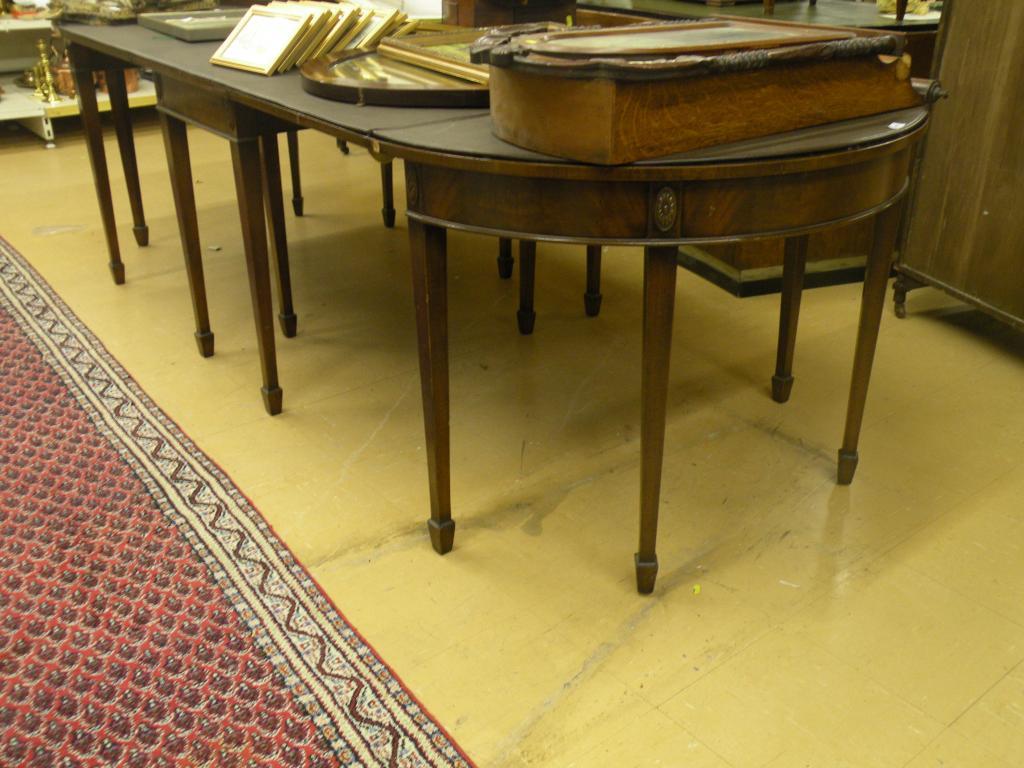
262	40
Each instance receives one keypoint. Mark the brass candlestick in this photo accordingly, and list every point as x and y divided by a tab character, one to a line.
45	88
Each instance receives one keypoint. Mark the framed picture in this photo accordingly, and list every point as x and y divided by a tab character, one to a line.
379	25
262	40
344	19
318	19
447	53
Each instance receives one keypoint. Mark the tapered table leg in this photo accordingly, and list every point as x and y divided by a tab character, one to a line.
873	298
93	130
387	191
118	93
430	293
592	297
659	305
525	316
274	199
293	165
180	167
505	259
245	157
794	262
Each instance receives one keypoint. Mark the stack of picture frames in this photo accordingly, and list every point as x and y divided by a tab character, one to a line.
276	37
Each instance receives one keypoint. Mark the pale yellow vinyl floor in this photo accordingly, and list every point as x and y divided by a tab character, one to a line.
796	623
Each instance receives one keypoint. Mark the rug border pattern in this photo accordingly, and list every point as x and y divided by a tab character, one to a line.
358	703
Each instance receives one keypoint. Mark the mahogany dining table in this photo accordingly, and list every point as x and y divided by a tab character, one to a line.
459	176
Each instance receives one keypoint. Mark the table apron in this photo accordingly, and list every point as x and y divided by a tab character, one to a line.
214	110
652	212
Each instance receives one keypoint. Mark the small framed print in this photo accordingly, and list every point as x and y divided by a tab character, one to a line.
379	24
262	40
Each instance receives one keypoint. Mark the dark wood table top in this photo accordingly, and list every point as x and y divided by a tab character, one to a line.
842	13
472	136
280	95
450	132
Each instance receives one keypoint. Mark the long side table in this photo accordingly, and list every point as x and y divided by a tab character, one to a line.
458	175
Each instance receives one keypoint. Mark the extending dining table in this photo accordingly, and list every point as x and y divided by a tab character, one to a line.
459	176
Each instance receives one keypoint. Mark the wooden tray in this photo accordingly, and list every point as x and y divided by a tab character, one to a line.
659	89
359	77
194	26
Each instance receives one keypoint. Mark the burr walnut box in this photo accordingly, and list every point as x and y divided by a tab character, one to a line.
620	94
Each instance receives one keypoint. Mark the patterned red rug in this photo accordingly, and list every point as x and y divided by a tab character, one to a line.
148	615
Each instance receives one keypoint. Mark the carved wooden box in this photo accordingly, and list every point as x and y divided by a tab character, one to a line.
617	95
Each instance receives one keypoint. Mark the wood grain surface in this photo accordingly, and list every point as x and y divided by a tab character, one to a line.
634	120
966	231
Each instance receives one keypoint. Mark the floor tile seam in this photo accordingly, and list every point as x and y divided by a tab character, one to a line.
948	512
200	436
725	659
982	343
687	687
535	486
707	746
818	452
985	693
870	557
813	592
414	533
319	476
593	749
901	400
413	530
307	406
892	546
998	478
858	568
926	747
597	660
593	662
967	596
863	673
806	497
897	696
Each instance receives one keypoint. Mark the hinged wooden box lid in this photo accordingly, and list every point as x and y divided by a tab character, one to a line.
620	94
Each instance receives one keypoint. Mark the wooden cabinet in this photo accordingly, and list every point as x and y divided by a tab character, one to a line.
489	13
966	232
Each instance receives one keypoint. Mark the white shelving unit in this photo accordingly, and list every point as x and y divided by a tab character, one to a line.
17	53
18	42
38	116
